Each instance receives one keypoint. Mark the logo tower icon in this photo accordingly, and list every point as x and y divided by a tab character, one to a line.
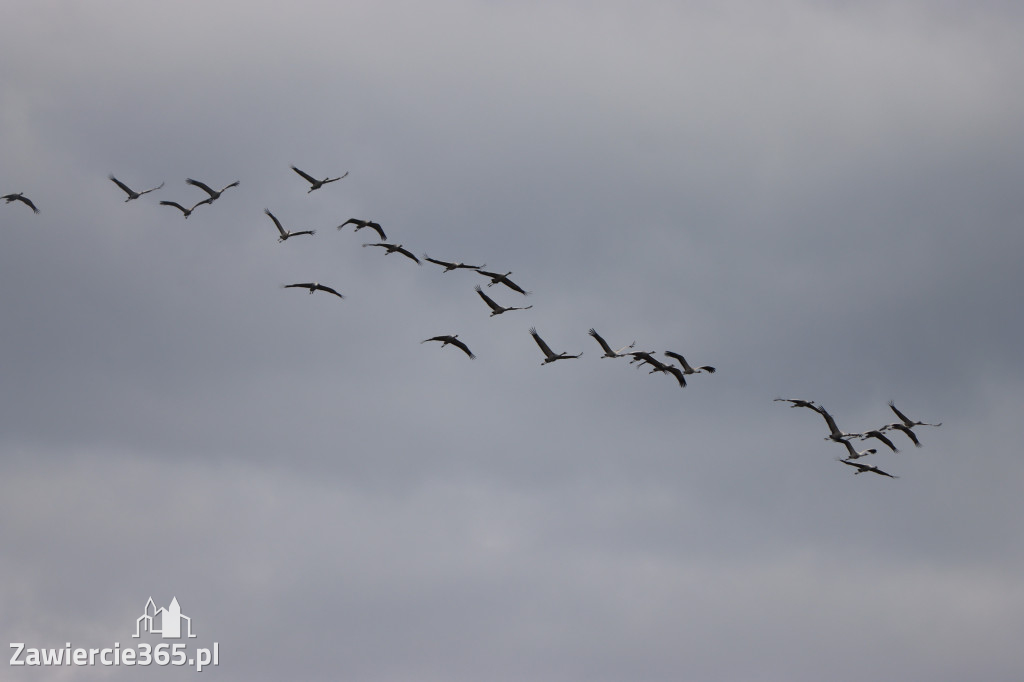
165	622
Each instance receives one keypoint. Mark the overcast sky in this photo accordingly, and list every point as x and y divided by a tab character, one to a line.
820	199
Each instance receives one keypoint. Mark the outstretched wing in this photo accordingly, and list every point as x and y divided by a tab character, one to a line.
681	359
604	344
882	437
903	417
678	374
310	179
514	287
127	190
907	430
849	446
833	429
329	290
445	264
202	186
463	347
858	465
22	198
540	342
798	402
487	299
176	205
408	254
277	222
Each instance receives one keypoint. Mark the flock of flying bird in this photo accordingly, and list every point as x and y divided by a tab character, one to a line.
639	358
837	435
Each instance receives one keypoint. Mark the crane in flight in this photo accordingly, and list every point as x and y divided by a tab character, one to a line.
642	357
314	286
186	211
909	423
214	194
495	308
285	234
608	352
853	451
132	194
20	196
549	356
448	267
878	435
835	433
798	402
360	224
899	426
396	248
452	339
314	183
498	278
686	366
861	468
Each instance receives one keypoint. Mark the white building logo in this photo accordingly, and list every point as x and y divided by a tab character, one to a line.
164	622
168	623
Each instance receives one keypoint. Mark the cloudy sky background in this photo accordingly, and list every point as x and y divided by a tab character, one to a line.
822	199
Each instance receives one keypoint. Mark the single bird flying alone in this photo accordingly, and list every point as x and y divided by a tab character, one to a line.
132	194
360	224
396	248
498	278
495	308
548	355
285	234
452	339
317	184
313	286
20	196
214	195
